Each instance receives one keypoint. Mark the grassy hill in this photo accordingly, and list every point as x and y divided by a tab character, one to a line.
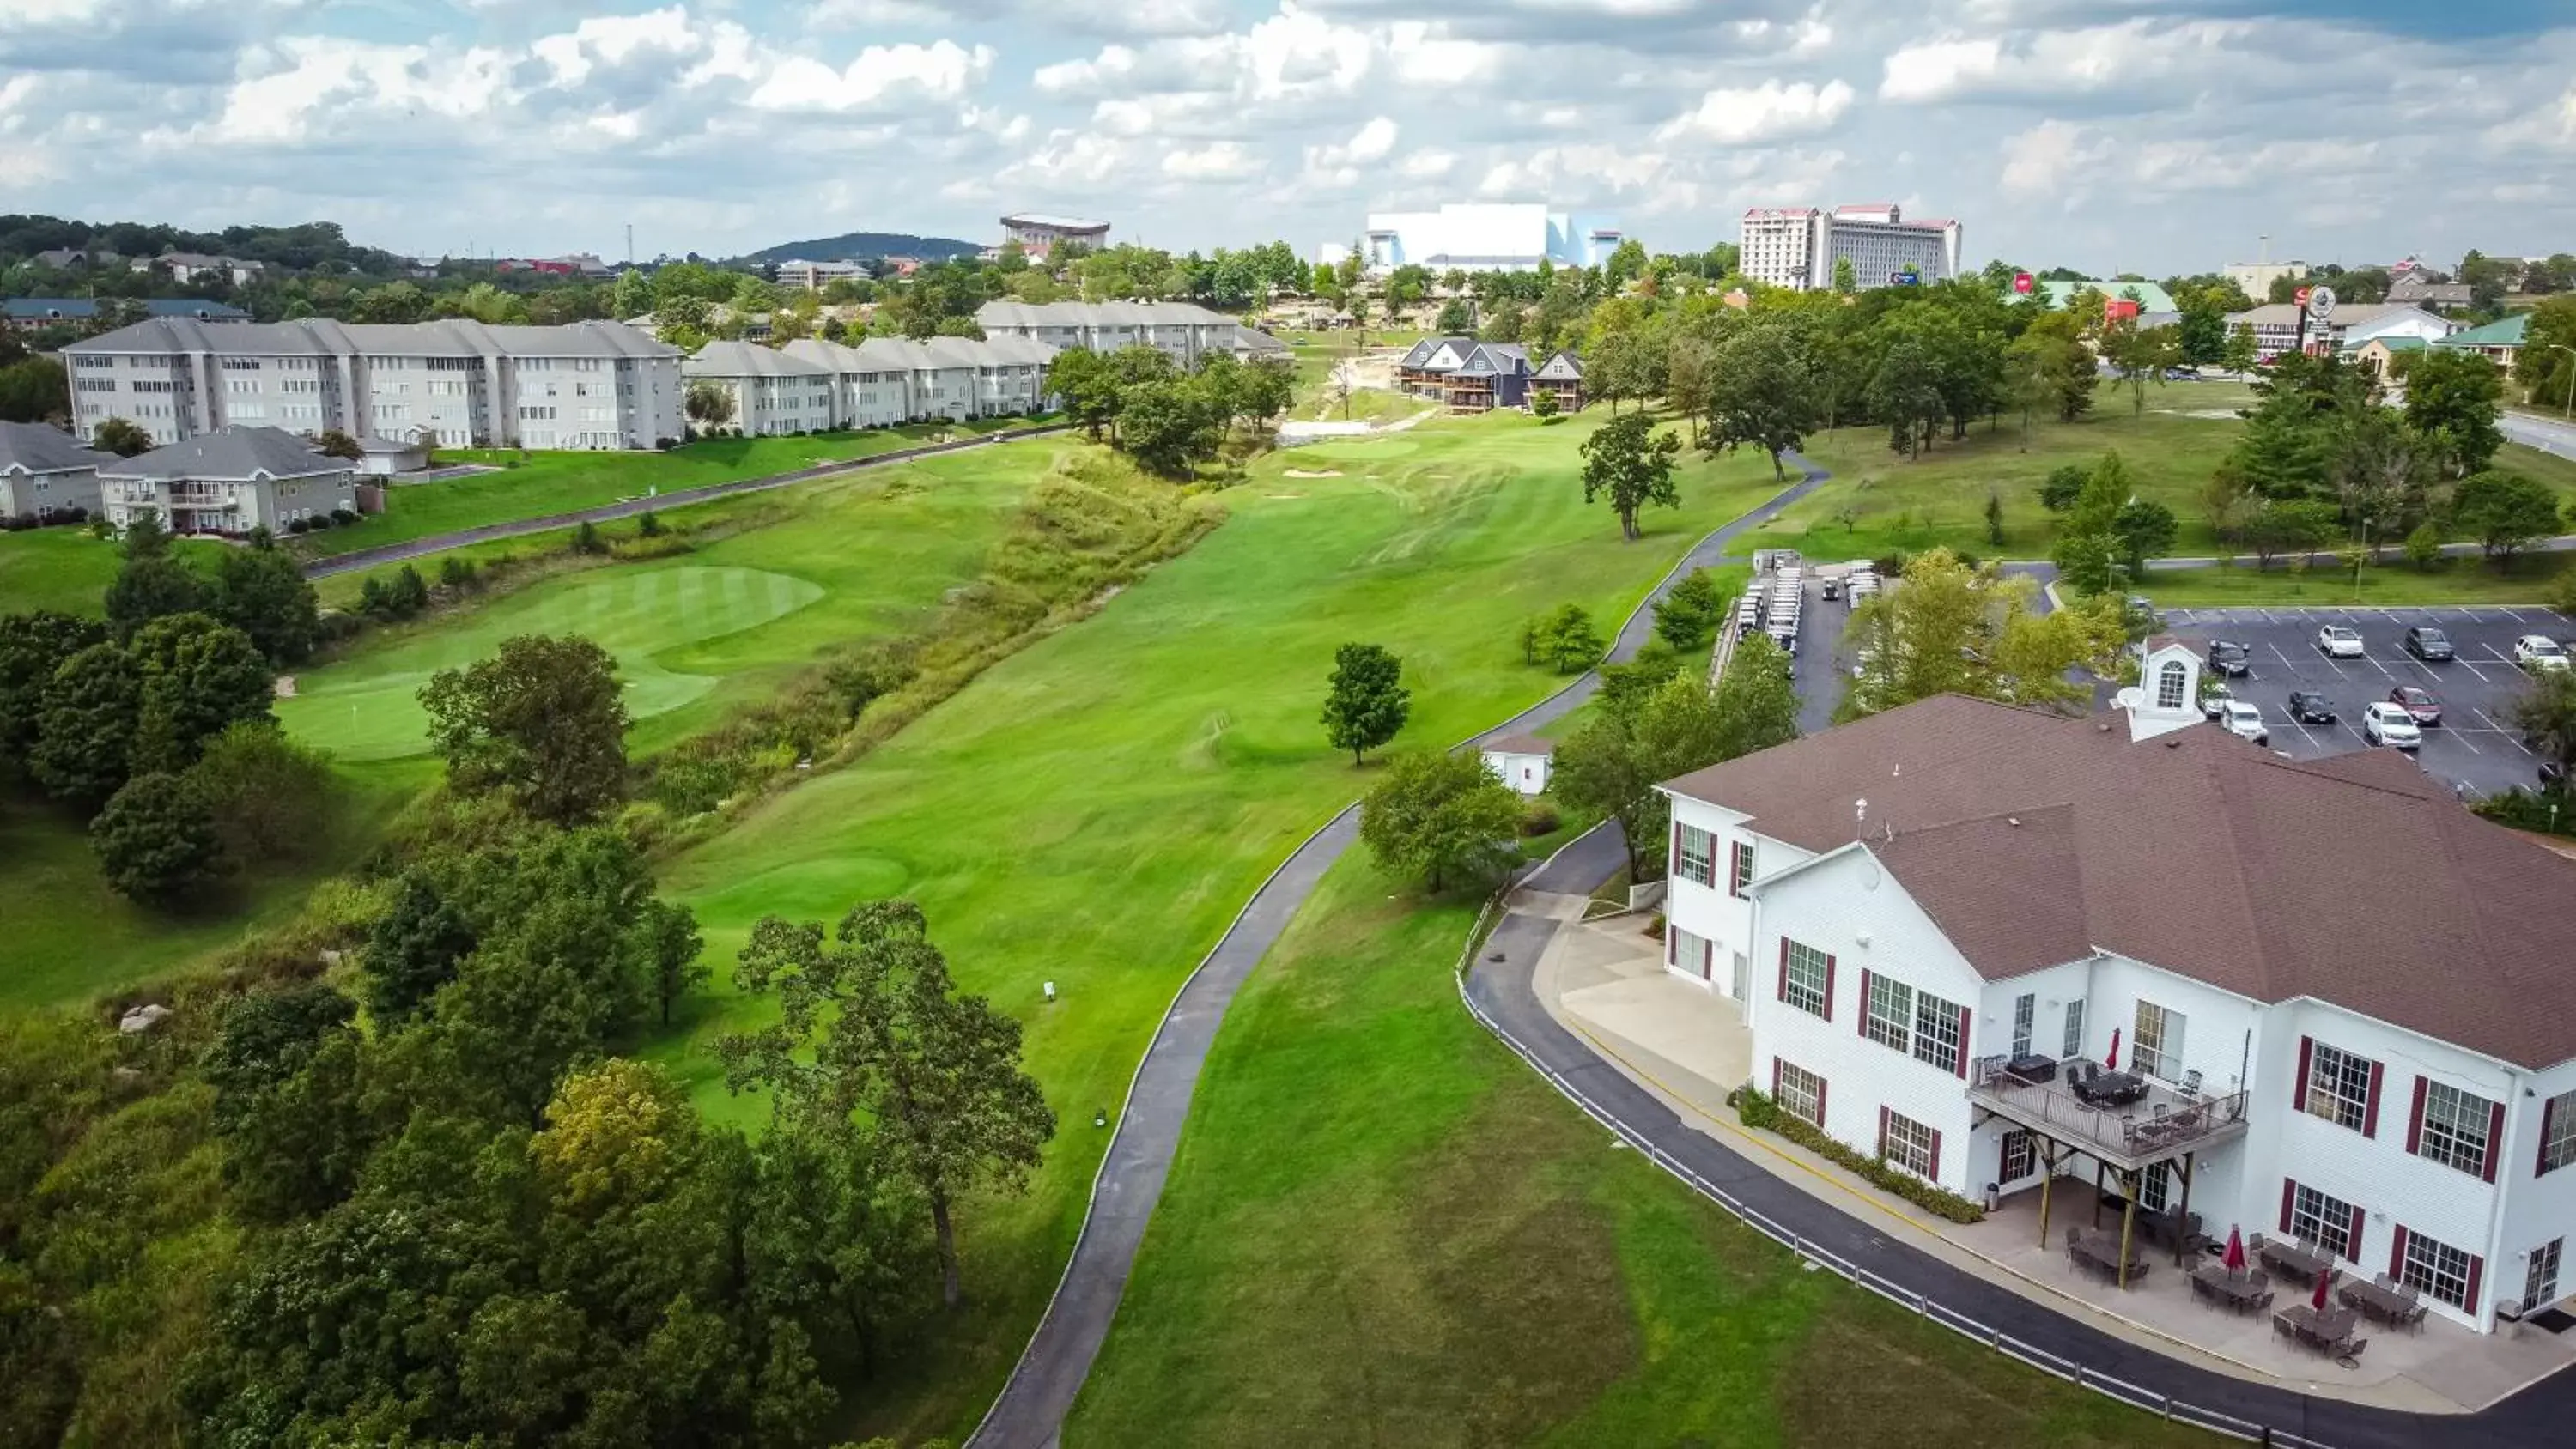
866	245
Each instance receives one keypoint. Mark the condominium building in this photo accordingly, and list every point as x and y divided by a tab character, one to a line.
1796	247
45	471
1185	331
229	481
34	314
815	276
812	385
590	385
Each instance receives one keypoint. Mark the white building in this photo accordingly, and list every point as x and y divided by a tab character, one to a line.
2275	326
813	386
45	471
2256	278
815	276
229	481
2348	997
591	385
773	392
1520	761
1186	331
1797	247
1038	233
1485	237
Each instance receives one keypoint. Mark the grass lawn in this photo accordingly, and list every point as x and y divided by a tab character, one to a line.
851	559
1094	809
1382	1228
547	483
66	570
2532	580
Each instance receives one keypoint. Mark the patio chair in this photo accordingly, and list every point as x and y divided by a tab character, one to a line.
2350	1349
2191	1083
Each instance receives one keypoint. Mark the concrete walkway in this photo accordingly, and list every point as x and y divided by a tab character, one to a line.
341	563
1030	1412
2128	1361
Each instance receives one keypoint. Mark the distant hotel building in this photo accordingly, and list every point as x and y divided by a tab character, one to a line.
1797	247
1486	237
1037	234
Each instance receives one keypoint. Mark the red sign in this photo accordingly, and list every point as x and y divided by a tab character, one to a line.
2116	309
2023	282
2301	297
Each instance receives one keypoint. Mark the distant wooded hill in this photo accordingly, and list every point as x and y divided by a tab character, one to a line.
860	244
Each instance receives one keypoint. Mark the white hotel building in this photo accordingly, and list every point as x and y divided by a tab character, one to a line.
591	385
2351	999
1796	247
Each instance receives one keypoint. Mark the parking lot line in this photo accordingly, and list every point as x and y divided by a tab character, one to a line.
2463	737
2499	729
2382	668
2503	658
2463	662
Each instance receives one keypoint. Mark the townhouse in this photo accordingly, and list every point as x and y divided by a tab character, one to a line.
1471	376
2343	997
1186	331
229	481
45	472
773	393
454	383
812	385
34	314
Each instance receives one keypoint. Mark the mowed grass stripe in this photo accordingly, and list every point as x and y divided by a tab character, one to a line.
1094	809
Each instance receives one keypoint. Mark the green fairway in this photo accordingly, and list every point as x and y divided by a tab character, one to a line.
370	710
548	483
66	570
1382	1228
2534	579
1094	809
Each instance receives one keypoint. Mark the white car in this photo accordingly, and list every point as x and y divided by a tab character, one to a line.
2340	642
2245	722
2389	724
2538	651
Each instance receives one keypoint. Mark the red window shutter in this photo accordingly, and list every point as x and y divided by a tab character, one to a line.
2540	1159
1860	1018
1784	968
2370	1104
2477	1270
2495	1139
1935	1173
1966	1015
2360	1226
1882	1130
1775	1079
1674	870
2289	1196
2397	1254
1829	988
2415	1128
1707	960
2299	1092
1672	941
1820	1104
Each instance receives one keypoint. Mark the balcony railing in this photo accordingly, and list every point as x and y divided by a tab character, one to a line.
2160	1123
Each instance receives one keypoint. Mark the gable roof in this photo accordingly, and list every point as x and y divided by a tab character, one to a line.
2348	316
2506	332
2184	851
1562	366
746	359
323	337
235	453
29	309
2152	297
36	448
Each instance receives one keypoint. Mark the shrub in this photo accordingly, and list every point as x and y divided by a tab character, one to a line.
298	525
318	522
459	574
344	516
1757	1110
1539	817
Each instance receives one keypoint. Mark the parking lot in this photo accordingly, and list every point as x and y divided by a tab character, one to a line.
2474	748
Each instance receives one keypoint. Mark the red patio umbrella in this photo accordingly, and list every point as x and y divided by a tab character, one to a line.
2111	1058
2235	1251
2317	1300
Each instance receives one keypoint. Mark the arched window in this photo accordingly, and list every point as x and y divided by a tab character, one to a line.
2171	680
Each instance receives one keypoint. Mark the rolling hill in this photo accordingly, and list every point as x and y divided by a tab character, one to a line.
864	244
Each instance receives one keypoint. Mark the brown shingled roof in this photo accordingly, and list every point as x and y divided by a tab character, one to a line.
2355	879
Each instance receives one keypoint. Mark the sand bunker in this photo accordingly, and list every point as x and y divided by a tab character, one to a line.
1313	473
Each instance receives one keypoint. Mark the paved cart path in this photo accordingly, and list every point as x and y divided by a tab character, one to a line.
1041	1390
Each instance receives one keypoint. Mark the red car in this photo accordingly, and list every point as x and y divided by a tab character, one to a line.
2418	704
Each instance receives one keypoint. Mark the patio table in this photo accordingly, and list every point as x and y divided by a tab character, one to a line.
2235	1292
2295	1261
2101	1248
2388	1305
2324	1332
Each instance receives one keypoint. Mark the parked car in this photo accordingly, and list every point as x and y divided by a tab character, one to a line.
2419	704
2214	700
2309	707
1833	589
2230	658
2245	722
2538	651
2338	641
2429	644
2389	724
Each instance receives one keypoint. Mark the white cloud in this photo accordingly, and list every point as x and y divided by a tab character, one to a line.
1428	165
879	74
2041	160
2061	62
314	74
1216	161
1765	112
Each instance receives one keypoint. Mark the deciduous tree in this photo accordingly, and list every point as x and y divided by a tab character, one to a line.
2454	399
1760	386
1442	820
1631	464
1368	703
2505	512
199	677
85	744
156	841
542	719
32	647
261	591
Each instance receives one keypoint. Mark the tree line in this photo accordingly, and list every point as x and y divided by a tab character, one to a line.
1143	404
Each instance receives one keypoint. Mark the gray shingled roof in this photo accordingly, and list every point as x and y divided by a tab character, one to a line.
233	454
746	359
1097	314
322	337
2193	851
36	448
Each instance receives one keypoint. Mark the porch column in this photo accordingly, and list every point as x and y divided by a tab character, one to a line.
2130	1182
2182	1220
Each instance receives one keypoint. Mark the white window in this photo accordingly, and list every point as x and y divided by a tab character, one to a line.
1937	1027
2020	1156
2540	1283
2558	1132
2454	1130
1911	1145
2170	684
1891	1012
2338	1087
1698	856
2025	1013
1691	953
2435	1268
1801	1093
1807	983
2322	1220
2074	1045
2152	1189
1740	867
2158	1042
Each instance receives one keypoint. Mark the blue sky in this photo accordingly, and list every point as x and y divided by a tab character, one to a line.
2148	135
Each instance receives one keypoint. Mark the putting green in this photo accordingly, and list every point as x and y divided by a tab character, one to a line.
368	708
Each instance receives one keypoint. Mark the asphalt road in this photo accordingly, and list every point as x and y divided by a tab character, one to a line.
2474	750
1030	1412
324	568
1500	990
2549	435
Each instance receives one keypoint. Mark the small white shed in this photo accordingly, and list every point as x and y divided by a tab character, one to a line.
385	457
1520	761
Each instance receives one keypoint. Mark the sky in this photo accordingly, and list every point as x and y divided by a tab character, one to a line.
2154	136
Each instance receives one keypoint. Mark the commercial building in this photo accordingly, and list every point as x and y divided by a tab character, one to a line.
813	386
590	385
2005	949
35	314
229	481
2256	278
45	471
2275	326
815	276
2119	299
1797	247
1038	233
1186	331
1486	237
2499	342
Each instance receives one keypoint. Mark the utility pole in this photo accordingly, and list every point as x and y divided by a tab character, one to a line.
630	243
